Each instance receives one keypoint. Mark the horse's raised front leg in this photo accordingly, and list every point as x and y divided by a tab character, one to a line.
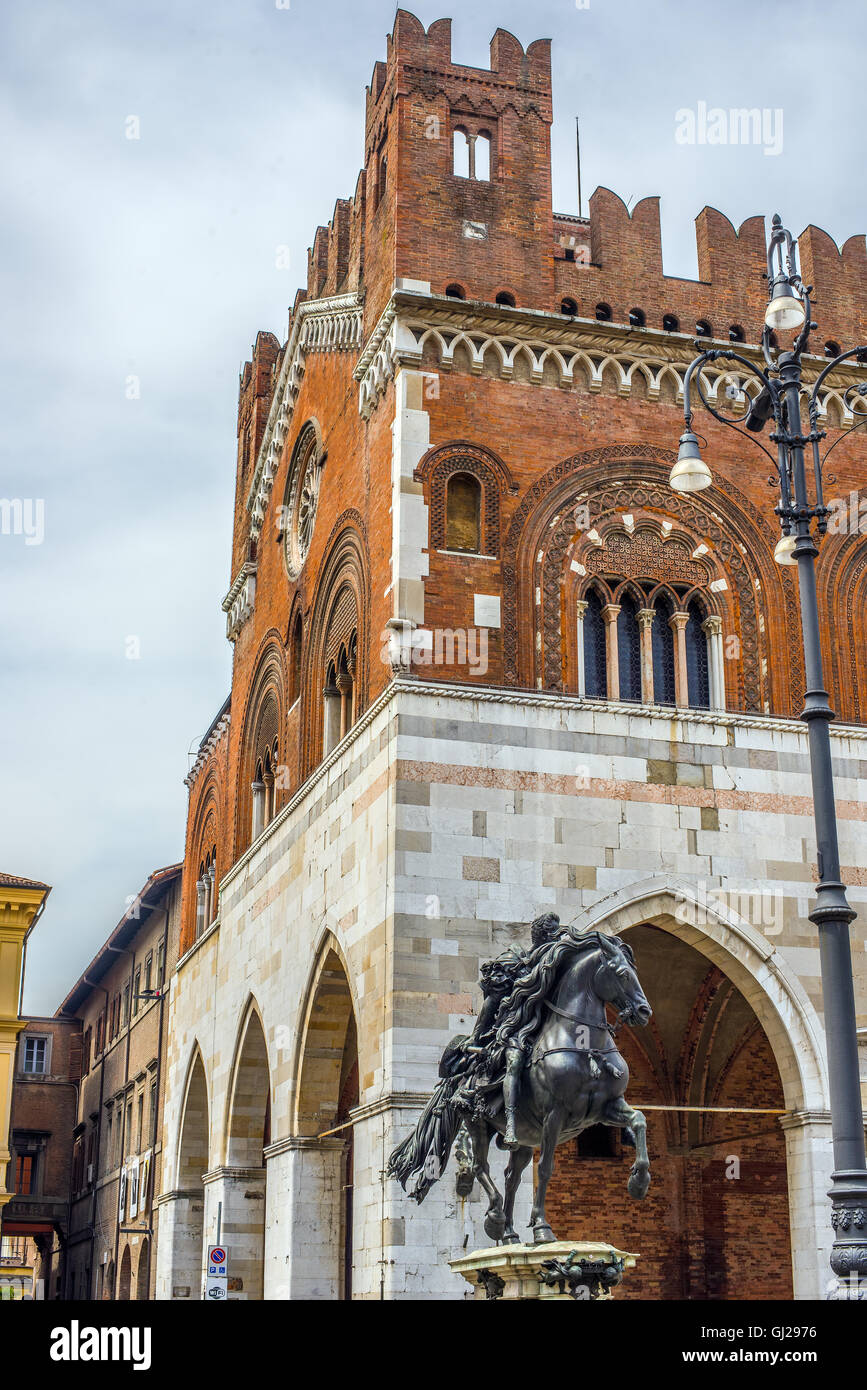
480	1135
518	1161
620	1113
551	1128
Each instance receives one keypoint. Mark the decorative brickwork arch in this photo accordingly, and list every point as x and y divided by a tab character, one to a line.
204	840
622	479
842	588
339	621
262	733
441	464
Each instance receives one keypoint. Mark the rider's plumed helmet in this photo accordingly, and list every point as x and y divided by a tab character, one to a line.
545	928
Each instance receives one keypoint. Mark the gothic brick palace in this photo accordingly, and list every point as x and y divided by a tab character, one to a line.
487	663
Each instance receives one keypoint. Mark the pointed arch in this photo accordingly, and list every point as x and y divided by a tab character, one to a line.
327	1026
248	1101
193	1152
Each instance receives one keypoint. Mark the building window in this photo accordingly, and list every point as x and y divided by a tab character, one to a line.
698	681
637	318
86	1044
295	651
703	329
463	513
603	313
139	1122
161	963
35	1055
662	643
100	1033
125	1012
456	292
136	990
506	298
595	665
149	971
671	323
471	154
25	1174
568	307
737	334
629	649
832	349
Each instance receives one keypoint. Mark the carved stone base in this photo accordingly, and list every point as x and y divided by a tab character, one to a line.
561	1269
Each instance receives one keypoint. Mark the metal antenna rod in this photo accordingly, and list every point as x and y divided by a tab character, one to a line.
578	152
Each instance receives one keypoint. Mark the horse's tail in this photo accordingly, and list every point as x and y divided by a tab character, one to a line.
421	1159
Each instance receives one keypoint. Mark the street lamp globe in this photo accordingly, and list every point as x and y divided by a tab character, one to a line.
783	552
785	309
690	473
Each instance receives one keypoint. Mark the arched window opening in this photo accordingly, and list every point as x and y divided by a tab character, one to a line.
637	318
603	313
331	695
595	664
737	334
505	298
568	307
296	647
671	323
381	179
480	166
629	649
461	153
664	689
456	292
698	680
463	513
206	892
832	349
702	329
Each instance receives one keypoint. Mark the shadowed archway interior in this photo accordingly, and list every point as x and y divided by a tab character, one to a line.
715	1224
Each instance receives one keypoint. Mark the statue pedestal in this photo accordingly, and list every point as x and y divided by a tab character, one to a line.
562	1269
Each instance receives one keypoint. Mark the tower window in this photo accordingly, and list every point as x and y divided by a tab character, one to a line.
569	307
461	153
737	334
455	292
480	157
471	154
662	642
702	329
832	349
603	313
463	513
505	298
671	323
637	318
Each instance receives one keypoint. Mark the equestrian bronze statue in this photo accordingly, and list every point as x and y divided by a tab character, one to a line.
540	1066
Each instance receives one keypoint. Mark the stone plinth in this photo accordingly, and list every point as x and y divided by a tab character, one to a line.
589	1269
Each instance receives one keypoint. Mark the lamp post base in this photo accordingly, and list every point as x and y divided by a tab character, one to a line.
560	1269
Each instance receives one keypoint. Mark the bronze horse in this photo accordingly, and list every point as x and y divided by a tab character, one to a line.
575	1077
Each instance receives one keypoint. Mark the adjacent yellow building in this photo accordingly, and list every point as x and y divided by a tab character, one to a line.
21	902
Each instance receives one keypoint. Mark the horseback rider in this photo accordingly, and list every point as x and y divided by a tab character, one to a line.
497	979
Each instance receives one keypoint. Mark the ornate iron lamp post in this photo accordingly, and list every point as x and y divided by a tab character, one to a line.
779	400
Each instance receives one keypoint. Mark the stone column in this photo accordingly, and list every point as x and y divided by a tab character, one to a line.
331	721
304	1236
809	1164
677	622
241	1191
270	798
258	809
344	685
612	656
180	1253
645	624
712	628
212	895
201	906
580	610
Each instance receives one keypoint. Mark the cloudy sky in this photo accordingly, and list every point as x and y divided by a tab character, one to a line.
135	273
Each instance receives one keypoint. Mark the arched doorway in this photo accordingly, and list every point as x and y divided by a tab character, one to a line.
108	1287
125	1284
189	1229
143	1277
248	1133
328	1090
736	1201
